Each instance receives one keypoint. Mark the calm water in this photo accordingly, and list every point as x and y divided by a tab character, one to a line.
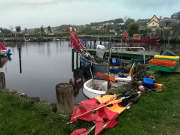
43	65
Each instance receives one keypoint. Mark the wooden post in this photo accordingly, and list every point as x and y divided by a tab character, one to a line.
65	98
109	57
90	44
72	60
77	60
94	44
2	80
100	42
0	62
20	65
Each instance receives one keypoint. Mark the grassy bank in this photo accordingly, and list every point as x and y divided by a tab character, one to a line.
155	113
19	117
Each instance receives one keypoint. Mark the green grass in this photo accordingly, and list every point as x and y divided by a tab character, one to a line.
154	114
19	117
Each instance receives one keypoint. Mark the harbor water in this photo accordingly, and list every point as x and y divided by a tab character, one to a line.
36	68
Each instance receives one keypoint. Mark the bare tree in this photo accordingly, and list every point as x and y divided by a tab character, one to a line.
49	29
18	28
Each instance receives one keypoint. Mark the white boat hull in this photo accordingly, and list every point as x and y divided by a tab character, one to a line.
121	79
3	52
92	93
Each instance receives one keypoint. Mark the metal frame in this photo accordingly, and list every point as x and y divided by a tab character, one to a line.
144	55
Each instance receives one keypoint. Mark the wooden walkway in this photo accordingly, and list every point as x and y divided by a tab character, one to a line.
123	51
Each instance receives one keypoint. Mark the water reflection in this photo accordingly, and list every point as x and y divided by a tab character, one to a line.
2	80
3	61
20	65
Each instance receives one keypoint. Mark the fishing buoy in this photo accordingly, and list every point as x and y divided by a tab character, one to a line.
141	88
8	51
158	85
139	82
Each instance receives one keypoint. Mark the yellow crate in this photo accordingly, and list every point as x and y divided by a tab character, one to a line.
176	58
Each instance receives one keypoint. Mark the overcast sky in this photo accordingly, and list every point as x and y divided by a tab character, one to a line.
34	13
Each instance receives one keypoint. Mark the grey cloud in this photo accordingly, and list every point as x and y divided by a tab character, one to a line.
146	4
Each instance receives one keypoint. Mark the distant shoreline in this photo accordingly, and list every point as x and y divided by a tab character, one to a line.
112	38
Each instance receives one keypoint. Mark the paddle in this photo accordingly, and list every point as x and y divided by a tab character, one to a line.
91	129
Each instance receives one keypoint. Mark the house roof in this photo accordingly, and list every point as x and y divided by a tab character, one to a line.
153	19
143	22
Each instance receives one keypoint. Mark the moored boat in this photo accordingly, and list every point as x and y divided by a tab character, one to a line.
4	51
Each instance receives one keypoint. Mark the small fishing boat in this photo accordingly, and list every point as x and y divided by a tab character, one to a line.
94	88
149	40
4	51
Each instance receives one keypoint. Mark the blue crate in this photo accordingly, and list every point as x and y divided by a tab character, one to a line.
149	82
114	62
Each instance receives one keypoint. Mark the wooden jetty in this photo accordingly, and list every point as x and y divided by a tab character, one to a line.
127	54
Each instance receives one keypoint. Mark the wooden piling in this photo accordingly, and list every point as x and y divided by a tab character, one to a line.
65	98
90	44
77	63
20	64
100	42
94	44
72	60
2	80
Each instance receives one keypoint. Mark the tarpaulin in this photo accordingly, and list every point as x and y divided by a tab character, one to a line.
89	104
110	115
111	124
102	115
117	108
106	98
76	111
81	131
101	126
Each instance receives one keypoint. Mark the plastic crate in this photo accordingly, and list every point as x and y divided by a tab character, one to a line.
164	63
163	57
160	68
115	62
148	82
